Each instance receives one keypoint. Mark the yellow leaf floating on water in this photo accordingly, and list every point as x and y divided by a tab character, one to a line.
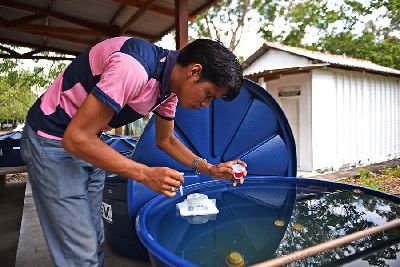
298	227
279	223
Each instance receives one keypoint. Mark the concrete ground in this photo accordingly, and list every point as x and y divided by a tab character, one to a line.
32	249
11	203
336	175
21	239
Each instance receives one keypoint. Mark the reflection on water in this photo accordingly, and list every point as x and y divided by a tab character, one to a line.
263	222
332	215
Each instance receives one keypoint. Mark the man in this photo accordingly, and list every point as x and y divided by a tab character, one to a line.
117	81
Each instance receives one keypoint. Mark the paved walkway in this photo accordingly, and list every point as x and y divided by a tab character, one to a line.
11	205
32	249
336	175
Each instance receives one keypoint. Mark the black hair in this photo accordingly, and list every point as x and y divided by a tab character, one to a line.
220	66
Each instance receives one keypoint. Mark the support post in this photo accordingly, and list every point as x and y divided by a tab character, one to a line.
181	23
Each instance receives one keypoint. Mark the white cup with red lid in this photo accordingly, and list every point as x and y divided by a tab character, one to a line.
238	171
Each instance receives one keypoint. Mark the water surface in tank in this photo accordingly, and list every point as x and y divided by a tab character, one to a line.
262	221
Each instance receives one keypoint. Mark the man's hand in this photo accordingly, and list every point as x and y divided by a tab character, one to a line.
224	171
163	180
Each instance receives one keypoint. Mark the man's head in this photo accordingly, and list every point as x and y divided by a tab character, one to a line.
206	70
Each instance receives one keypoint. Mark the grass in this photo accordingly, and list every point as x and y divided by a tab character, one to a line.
395	172
386	180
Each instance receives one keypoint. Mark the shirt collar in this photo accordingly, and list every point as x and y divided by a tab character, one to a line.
169	65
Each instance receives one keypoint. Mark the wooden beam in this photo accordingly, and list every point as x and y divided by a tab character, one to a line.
192	16
116	14
202	8
46	21
99	28
12	52
24	20
54	29
59	36
136	16
74	31
142	35
31	53
154	8
44	48
36	57
112	20
181	23
3	22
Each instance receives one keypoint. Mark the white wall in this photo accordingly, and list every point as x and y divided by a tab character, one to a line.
275	59
303	144
347	118
323	117
355	118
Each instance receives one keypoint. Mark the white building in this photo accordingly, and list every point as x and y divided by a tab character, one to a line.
343	111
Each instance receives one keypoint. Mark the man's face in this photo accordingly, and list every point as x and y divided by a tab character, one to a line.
196	94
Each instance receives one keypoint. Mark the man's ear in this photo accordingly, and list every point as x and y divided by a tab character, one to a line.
195	70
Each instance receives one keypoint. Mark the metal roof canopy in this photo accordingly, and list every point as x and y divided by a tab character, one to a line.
72	26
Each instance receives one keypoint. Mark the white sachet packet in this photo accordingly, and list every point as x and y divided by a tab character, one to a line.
204	207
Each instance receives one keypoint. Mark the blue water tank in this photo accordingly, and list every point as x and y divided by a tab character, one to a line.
119	142
114	204
252	128
10	155
263	219
176	241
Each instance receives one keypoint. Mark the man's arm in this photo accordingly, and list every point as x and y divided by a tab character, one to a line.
167	141
80	139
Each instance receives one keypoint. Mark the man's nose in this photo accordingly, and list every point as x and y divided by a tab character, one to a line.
205	104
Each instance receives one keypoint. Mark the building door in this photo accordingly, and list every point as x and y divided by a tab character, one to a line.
290	106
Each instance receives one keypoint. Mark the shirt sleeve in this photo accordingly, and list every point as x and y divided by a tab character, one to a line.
121	80
167	109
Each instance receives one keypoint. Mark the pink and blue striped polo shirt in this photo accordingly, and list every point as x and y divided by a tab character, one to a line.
129	75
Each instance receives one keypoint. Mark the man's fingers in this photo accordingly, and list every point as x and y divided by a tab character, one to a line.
234	183
169	190
225	168
238	161
178	176
169	193
174	183
171	186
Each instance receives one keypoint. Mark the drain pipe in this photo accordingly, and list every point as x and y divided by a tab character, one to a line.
311	251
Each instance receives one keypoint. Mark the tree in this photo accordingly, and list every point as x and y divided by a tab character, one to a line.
336	25
13	102
299	17
392	13
224	21
20	87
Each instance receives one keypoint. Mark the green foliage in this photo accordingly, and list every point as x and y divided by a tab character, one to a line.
20	87
395	172
15	98
365	174
386	180
224	21
373	183
369	179
335	25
